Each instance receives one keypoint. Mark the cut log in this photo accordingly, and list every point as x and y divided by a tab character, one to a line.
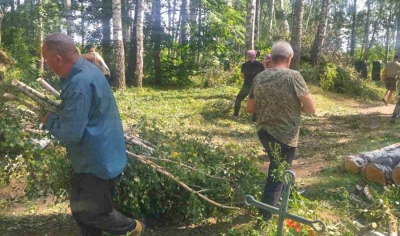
380	171
396	175
354	164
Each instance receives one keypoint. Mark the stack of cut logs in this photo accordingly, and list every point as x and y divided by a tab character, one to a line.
46	103
380	166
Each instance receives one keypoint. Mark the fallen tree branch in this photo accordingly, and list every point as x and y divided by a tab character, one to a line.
161	170
186	166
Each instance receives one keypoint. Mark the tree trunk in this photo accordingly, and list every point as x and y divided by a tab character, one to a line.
126	21
106	31
378	164
257	22
296	33
366	30
353	30
170	31
388	21
157	33
250	20
69	18
138	81
271	22
320	36
133	50
41	37
380	171
284	17
398	32
83	30
1	21
119	54
309	14
184	31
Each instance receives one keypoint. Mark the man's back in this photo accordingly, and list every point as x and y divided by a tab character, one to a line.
89	123
392	69
250	69
276	92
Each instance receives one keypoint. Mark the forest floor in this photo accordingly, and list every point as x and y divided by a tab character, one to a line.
341	127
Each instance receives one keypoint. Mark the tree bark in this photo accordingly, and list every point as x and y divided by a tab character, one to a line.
257	22
132	50
157	33
250	21
397	50
296	33
1	20
41	38
138	81
284	17
320	36
309	14
119	53
388	21
106	30
367	30
83	25
271	22
184	31
69	18
126	21
353	30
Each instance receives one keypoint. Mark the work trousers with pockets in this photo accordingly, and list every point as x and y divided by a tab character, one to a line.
278	152
91	206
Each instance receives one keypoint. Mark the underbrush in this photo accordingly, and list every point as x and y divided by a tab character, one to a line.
189	127
343	79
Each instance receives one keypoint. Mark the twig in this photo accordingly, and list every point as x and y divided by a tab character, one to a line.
161	170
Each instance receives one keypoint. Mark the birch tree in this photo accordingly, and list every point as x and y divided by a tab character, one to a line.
119	54
138	81
296	33
250	22
353	30
320	36
69	18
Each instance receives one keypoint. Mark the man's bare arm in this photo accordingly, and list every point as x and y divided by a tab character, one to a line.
308	104
251	105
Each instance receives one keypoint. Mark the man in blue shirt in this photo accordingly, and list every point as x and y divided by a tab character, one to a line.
88	122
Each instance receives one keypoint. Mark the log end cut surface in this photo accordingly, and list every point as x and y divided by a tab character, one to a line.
352	166
396	175
374	174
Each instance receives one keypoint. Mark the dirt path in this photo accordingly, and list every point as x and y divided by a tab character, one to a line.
311	166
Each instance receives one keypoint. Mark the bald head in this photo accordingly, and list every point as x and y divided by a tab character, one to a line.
59	44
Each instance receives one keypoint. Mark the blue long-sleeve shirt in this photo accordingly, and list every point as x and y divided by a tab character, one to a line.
88	121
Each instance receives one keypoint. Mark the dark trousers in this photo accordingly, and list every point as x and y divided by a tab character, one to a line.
278	152
396	111
91	206
243	93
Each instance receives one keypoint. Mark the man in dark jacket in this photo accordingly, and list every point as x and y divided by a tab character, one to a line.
249	70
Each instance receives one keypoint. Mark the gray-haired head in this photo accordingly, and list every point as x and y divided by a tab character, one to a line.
280	51
59	44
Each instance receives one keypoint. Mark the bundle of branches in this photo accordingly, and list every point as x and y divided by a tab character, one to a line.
47	103
379	166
